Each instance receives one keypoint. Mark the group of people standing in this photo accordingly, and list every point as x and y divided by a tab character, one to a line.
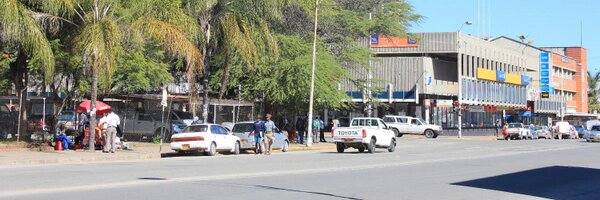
318	130
263	130
106	131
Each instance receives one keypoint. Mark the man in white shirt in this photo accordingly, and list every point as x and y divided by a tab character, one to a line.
109	124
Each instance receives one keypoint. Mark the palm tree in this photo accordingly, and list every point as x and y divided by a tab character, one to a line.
23	25
593	84
101	25
231	28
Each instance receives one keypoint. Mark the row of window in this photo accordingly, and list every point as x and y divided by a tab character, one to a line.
492	92
563	73
471	63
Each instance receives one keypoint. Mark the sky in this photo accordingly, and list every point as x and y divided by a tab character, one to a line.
549	23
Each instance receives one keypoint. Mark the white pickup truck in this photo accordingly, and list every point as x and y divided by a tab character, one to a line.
364	133
516	131
410	125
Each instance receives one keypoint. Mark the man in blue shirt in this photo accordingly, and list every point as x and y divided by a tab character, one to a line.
258	129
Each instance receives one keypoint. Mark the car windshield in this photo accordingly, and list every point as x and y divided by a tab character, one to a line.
515	126
183	115
65	117
195	128
595	128
420	120
239	128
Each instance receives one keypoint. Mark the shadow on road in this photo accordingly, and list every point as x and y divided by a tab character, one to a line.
556	182
309	192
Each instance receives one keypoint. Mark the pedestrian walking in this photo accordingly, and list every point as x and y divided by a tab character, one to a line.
531	130
270	128
498	127
258	129
322	131
300	127
109	124
316	129
336	123
505	130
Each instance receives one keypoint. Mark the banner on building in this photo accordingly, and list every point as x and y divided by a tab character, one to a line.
381	41
444	103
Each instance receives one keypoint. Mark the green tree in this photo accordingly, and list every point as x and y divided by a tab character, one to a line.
100	26
341	24
24	25
232	29
593	90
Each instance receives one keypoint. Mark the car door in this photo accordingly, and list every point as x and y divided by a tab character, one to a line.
144	124
242	130
403	124
387	133
278	138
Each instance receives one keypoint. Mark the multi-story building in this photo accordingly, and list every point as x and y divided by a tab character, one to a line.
493	80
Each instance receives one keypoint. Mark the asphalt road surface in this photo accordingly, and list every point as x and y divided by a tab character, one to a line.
419	169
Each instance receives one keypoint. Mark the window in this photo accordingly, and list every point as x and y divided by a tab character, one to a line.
389	119
373	122
402	120
195	128
383	125
144	117
413	121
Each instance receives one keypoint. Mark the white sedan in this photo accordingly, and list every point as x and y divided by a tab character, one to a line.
208	138
243	130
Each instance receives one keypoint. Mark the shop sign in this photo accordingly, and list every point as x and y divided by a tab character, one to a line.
472	108
500	75
533	94
486	74
381	41
490	109
545	95
444	103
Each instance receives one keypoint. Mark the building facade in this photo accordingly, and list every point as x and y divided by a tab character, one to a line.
491	80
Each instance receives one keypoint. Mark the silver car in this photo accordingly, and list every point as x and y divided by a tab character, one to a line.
244	131
593	135
543	132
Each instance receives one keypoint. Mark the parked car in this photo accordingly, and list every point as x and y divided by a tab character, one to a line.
543	132
581	130
207	138
243	130
563	130
37	124
409	125
593	135
69	120
145	124
364	133
517	131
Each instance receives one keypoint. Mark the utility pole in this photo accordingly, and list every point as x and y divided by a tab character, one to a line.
312	78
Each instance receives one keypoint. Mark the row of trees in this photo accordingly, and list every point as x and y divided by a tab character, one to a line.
593	91
131	46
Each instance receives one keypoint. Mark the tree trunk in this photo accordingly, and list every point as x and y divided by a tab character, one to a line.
225	79
92	137
19	74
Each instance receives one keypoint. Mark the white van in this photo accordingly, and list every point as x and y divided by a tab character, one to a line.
562	130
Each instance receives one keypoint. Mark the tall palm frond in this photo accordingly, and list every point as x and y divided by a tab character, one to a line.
173	40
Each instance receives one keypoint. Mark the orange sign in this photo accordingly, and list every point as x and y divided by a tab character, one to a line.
381	41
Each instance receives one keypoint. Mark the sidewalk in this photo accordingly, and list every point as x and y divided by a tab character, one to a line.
32	156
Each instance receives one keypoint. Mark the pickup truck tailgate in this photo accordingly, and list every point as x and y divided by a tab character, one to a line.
347	133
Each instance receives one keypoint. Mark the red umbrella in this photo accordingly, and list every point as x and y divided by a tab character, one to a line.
86	105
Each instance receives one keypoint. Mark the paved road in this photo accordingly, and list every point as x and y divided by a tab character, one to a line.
419	169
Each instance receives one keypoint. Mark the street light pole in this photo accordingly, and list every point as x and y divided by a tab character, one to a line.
312	78
459	72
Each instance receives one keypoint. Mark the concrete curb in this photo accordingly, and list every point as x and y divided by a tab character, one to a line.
312	148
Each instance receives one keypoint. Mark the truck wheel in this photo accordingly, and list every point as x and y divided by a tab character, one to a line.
340	147
392	146
371	146
429	133
397	133
361	149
